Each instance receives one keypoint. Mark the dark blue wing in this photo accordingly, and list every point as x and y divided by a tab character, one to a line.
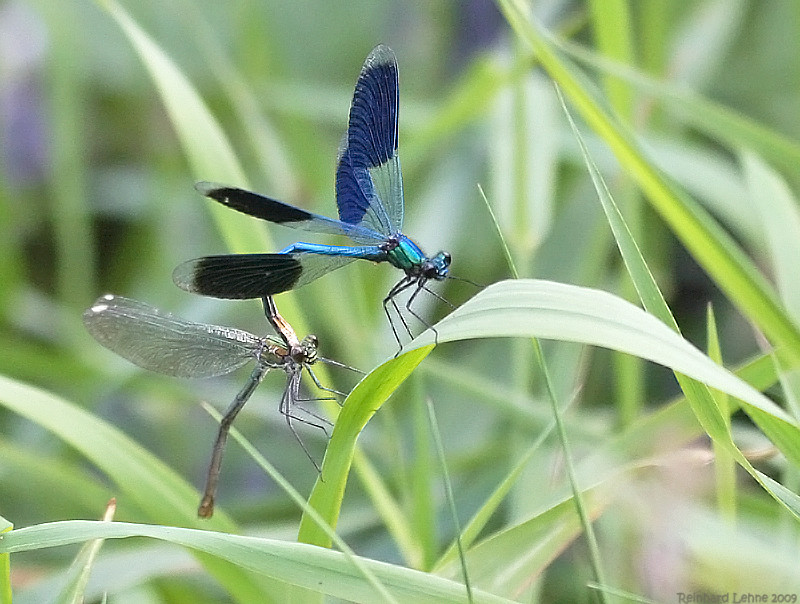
245	276
278	212
369	184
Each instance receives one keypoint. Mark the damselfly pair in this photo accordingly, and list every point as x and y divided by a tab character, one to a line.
369	197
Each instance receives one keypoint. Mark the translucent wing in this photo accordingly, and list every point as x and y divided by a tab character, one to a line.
369	183
278	212
245	276
159	341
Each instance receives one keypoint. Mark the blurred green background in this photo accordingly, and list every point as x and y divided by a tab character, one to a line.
97	196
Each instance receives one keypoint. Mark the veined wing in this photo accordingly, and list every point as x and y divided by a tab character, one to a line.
159	341
369	183
245	276
272	210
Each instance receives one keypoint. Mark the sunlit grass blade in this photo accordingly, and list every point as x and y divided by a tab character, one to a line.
448	486
142	482
305	507
210	155
317	569
362	403
710	245
777	209
549	310
724	463
5	565
713	418
264	140
613	32
543	309
78	576
721	123
538	354
698	394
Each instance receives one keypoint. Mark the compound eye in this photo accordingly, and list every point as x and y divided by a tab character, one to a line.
447	258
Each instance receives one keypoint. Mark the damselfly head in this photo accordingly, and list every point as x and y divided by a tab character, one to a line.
306	352
436	267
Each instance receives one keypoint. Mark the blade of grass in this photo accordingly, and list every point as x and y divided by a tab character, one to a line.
724	464
205	145
75	258
364	400
75	589
287	487
451	501
611	23
594	551
704	404
713	249
5	566
577	495
318	569
141	480
721	123
423	514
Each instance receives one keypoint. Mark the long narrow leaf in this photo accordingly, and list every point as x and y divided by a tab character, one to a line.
712	247
318	569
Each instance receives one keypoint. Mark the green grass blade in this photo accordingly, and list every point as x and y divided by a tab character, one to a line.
144	485
5	566
780	225
612	27
718	121
710	245
284	484
205	145
421	472
71	222
544	309
451	502
362	403
75	589
705	405
318	569
724	463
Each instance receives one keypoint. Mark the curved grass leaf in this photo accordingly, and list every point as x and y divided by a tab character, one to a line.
143	482
5	566
709	244
362	403
317	569
540	309
78	576
706	406
722	123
